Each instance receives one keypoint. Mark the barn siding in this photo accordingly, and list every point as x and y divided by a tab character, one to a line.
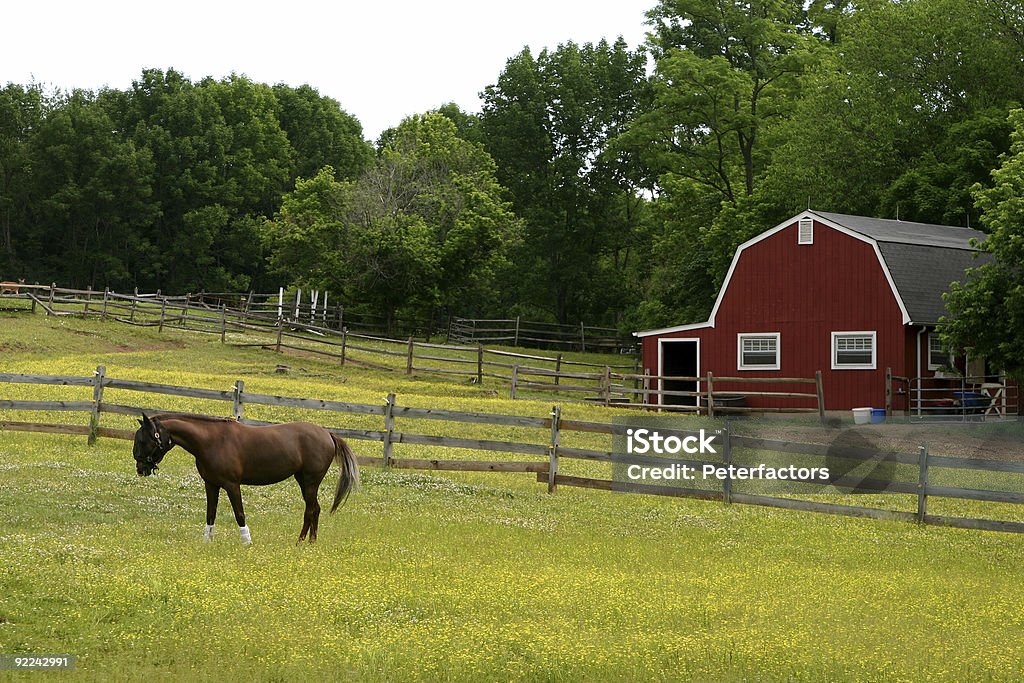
805	292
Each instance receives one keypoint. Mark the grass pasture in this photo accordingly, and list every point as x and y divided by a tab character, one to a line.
451	576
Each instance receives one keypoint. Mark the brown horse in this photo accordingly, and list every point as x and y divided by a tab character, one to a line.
229	454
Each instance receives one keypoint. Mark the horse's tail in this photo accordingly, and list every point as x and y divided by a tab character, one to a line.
349	478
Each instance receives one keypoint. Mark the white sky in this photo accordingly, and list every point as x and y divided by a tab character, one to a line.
381	60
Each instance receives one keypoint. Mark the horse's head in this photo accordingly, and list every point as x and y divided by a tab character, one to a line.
151	445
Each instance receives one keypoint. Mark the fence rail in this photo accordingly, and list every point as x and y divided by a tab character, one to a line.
517	332
548	447
525	374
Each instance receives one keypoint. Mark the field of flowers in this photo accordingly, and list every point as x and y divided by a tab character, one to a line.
456	576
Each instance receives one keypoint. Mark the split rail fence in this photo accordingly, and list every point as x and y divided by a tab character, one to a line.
548	451
525	375
519	332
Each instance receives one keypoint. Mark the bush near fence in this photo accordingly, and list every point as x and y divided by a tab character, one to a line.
547	450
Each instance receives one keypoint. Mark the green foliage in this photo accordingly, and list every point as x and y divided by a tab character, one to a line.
725	71
321	133
547	122
424	227
987	310
162	185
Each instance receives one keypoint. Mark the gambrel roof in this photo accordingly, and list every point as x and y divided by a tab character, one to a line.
919	260
922	259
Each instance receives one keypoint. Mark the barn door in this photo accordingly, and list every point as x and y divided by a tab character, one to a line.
679	358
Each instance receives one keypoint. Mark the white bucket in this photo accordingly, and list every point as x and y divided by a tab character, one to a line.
861	416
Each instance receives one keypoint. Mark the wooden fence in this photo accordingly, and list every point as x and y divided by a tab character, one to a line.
959	398
548	451
525	375
519	332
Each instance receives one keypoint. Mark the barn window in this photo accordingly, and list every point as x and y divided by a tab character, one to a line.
937	355
853	351
758	351
806	231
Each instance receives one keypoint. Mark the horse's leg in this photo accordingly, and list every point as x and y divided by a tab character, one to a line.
309	493
212	494
306	517
235	496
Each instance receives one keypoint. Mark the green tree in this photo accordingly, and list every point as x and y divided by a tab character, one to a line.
547	122
21	110
94	196
321	133
874	126
424	227
725	72
986	311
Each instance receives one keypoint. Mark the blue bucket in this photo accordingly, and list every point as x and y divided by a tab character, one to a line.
877	416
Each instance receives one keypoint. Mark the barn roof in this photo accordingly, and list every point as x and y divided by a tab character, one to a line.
922	259
906	232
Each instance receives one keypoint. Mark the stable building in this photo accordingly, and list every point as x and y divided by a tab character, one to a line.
847	295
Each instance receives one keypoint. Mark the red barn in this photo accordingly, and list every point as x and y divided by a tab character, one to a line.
846	295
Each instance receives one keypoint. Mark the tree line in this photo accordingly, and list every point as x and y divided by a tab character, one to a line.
599	181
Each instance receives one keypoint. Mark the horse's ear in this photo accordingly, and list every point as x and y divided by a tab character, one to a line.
145	421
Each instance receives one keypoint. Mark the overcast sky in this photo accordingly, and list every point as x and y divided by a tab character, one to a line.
381	60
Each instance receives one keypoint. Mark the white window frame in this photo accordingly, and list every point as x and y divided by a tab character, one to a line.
947	357
836	365
800	231
742	336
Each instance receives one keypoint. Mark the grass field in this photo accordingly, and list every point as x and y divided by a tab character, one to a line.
453	576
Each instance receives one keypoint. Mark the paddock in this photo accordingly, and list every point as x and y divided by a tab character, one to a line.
464	575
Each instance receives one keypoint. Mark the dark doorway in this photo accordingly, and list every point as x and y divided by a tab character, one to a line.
679	358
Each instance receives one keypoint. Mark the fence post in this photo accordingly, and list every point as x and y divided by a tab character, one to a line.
922	482
480	364
556	420
647	389
106	294
821	396
97	399
888	392
516	341
389	429
88	298
558	367
408	362
131	317
727	461
280	331
607	386
515	381
52	288
344	343
163	313
223	323
184	311
237	406
711	395
583	338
